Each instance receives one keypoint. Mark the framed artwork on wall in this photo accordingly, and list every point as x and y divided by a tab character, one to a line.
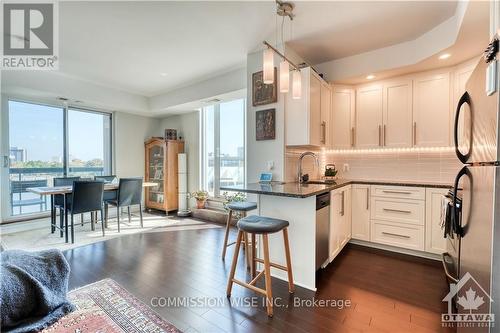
262	93
265	124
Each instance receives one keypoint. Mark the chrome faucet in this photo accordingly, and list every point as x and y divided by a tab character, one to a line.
299	166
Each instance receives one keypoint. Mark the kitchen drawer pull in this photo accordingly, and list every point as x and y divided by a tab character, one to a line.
396	235
397	210
396	192
448	275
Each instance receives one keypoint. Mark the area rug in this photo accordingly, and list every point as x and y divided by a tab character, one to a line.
36	236
107	307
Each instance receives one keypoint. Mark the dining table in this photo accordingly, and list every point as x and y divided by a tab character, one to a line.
65	191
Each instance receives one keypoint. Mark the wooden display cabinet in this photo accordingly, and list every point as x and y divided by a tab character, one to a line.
161	168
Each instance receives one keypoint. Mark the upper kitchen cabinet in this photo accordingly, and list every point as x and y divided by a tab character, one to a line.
369	116
431	109
308	118
343	106
397	124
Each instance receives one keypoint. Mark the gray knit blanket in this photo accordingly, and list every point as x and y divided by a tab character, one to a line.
33	289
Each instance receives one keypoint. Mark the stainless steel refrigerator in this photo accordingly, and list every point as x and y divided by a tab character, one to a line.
475	247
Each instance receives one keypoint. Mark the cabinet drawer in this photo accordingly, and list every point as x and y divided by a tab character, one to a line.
398	210
410	237
402	192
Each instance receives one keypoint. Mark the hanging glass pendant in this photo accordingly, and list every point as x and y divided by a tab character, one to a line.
268	66
297	85
284	76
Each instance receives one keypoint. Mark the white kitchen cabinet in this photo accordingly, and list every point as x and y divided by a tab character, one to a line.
308	118
431	109
369	116
340	220
360	212
397	113
343	122
434	234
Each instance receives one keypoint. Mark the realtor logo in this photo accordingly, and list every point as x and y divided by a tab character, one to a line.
30	35
473	300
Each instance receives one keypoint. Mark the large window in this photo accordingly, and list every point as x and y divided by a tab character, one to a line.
223	142
47	142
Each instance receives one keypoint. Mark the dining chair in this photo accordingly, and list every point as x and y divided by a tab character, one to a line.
59	199
86	197
129	193
111	194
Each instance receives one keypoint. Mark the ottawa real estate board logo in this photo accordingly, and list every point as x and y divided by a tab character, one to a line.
472	303
30	35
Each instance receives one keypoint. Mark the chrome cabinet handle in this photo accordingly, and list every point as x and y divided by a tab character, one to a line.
367	198
384	136
397	210
379	135
395	235
448	275
352	136
414	133
323	132
397	192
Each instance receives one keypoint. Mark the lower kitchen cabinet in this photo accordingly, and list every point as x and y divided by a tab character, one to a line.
340	220
434	235
360	212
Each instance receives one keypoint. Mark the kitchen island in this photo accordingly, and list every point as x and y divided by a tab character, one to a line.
296	203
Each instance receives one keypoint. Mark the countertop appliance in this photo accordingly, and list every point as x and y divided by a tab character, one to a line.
476	135
322	228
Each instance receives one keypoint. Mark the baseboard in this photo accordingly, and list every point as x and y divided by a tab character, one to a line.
415	253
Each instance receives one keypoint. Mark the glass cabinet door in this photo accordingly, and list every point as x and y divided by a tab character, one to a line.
156	173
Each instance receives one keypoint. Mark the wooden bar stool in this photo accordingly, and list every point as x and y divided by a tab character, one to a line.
264	226
242	207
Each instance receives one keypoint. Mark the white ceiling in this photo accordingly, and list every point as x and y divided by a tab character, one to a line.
127	45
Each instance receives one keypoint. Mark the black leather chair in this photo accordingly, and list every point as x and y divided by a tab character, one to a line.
129	193
86	198
59	200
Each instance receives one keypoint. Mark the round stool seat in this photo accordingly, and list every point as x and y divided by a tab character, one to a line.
243	206
256	224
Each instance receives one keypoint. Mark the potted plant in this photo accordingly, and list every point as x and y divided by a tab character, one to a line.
201	198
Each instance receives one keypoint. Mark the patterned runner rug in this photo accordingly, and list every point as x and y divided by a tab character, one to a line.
105	306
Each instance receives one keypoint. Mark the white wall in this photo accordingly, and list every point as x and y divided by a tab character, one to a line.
188	127
130	133
259	153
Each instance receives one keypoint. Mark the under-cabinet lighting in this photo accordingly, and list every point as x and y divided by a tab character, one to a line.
370	77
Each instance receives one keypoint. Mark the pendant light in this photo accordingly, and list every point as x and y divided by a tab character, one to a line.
297	85
268	66
284	76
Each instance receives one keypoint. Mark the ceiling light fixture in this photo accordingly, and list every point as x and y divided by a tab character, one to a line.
444	56
163	74
283	9
370	77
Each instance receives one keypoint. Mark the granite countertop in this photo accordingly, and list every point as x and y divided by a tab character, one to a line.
296	190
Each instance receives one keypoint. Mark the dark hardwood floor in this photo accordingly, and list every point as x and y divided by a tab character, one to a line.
388	292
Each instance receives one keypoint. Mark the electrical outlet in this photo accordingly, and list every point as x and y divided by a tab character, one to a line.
270	165
345	167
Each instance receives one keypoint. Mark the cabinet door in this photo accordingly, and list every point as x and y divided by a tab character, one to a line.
326	107
315	112
360	215
434	235
335	223
343	107
397	128
431	110
368	117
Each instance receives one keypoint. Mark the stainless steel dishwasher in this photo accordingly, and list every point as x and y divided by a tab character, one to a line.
322	228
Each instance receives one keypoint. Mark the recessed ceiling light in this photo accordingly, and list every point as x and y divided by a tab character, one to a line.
444	56
163	74
370	77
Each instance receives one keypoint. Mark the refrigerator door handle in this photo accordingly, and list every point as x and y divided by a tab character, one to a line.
456	213
465	99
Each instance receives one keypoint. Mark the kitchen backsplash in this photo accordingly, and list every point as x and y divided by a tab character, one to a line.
438	165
